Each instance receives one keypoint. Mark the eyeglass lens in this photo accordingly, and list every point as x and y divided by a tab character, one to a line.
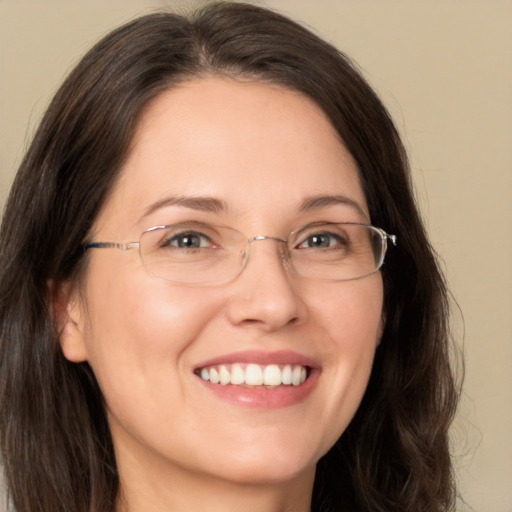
197	253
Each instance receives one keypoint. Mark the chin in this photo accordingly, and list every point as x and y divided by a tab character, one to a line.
269	474
267	467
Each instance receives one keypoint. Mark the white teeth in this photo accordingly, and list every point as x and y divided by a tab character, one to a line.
296	374
224	375
237	374
287	375
272	375
214	376
254	374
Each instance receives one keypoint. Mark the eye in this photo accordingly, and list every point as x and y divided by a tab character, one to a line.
321	241
188	240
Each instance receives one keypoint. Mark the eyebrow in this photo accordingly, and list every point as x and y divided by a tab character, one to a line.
323	201
215	205
205	204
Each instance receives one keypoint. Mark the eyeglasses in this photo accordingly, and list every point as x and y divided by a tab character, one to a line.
196	253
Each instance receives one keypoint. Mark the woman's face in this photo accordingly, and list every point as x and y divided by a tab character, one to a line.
263	160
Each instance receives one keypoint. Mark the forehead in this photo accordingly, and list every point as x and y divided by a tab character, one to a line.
252	145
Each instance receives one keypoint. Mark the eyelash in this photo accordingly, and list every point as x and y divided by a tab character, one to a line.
338	239
168	241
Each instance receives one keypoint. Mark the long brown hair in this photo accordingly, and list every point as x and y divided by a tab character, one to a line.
55	440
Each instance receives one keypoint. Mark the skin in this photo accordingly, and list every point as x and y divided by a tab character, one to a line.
262	150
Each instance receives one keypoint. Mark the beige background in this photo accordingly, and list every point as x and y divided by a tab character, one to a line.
444	69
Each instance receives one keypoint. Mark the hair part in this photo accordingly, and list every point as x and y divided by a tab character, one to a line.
55	440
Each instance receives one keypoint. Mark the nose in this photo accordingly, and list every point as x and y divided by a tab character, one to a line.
263	294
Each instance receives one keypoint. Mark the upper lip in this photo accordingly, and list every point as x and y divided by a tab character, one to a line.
280	357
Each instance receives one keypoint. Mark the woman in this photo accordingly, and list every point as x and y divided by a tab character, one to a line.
194	313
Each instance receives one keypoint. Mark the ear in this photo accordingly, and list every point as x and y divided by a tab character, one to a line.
68	316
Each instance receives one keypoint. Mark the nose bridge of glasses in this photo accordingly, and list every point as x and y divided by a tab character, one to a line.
283	253
262	237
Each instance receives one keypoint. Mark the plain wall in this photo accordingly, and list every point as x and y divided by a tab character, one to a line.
444	69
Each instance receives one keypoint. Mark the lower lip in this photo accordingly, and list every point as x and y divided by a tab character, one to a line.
265	398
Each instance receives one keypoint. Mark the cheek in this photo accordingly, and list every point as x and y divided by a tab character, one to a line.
352	313
136	322
355	328
350	317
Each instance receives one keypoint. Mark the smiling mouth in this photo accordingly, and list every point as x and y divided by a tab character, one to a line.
254	375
